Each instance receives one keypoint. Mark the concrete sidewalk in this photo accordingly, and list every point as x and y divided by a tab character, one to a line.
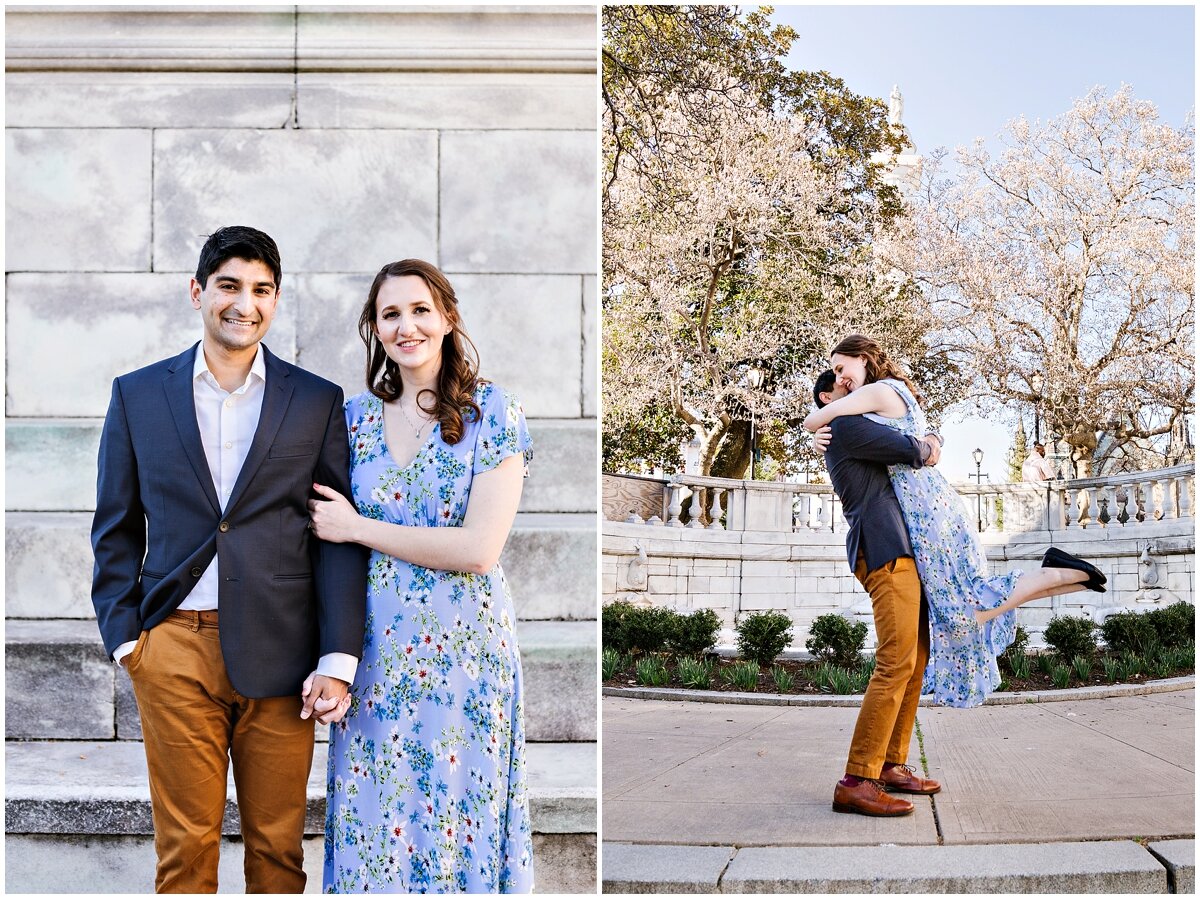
729	777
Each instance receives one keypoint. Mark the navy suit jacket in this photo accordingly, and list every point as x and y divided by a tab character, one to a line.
857	459
285	598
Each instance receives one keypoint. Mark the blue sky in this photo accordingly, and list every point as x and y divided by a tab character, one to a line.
965	71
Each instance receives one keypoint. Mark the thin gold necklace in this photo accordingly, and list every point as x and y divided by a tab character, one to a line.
416	430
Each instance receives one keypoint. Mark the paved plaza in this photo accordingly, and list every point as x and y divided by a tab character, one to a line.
732	777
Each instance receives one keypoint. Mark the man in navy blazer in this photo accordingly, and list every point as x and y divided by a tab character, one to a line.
209	587
881	557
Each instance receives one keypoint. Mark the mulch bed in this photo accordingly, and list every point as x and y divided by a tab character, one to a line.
804	684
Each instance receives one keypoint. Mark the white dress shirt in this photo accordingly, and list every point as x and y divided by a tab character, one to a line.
227	422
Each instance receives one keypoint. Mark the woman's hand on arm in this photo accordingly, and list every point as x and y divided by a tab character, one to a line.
474	546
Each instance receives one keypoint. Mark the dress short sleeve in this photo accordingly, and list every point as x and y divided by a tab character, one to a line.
502	430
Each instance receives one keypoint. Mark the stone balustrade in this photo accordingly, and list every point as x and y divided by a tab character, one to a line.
693	542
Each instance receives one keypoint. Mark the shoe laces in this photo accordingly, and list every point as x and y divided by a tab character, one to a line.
907	769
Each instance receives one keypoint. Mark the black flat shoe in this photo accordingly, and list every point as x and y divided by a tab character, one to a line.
1056	558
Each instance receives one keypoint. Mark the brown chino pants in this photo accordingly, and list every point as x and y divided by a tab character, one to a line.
889	708
193	722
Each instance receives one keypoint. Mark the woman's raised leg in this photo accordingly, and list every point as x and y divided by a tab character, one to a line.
1037	585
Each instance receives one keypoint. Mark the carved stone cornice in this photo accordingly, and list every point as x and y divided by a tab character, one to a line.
301	39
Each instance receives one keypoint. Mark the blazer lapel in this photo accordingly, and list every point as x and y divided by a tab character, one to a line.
181	400
277	394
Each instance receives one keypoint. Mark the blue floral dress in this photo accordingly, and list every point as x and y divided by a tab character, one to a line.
953	569
427	784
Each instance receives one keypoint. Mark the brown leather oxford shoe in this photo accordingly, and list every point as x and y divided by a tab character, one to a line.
868	798
904	779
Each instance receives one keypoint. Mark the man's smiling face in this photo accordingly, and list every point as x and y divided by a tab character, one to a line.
237	304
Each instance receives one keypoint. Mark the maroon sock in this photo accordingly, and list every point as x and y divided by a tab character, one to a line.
851	781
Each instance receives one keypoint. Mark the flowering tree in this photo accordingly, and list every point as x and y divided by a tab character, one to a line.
740	209
1069	257
740	268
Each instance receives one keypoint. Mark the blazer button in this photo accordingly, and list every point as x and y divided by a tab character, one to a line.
224	527
196	572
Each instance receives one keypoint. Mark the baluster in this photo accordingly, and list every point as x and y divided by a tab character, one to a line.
1093	516
675	507
1108	504
1070	509
1185	501
1168	501
1125	491
1056	517
696	508
1144	496
802	506
714	511
824	520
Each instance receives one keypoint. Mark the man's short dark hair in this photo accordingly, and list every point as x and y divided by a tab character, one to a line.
825	383
238	242
1039	446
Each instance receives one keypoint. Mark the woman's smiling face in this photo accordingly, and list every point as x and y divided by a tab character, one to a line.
851	371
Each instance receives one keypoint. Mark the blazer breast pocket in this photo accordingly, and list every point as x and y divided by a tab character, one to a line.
291	450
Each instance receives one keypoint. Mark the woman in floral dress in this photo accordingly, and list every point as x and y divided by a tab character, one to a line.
427	781
972	618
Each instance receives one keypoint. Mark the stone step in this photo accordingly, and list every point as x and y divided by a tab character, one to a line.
70	805
549	563
59	683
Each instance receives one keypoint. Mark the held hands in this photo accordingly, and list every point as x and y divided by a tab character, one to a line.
822	437
327	698
935	449
333	518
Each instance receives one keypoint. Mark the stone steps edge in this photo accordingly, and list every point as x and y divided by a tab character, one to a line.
1166	685
1085	867
35	807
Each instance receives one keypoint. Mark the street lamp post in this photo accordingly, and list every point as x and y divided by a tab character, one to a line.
978	476
1038	381
756	381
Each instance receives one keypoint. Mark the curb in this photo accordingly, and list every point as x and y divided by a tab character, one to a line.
1168	685
1117	866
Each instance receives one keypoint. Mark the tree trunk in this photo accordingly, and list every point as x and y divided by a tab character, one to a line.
733	455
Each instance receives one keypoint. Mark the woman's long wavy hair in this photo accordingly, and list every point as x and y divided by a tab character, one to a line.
878	365
459	374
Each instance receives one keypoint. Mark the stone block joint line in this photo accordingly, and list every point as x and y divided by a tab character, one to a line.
937	821
721	875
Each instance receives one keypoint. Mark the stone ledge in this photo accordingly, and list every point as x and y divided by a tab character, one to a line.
60	685
670	694
101	788
314	38
1179	857
1107	867
68	863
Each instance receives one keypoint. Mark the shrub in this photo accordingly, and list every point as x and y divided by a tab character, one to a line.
762	636
836	639
612	620
743	675
695	633
694	674
651	672
1071	637
1128	632
784	679
647	628
1015	650
1175	624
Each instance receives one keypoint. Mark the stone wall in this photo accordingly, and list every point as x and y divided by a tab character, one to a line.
804	572
354	137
